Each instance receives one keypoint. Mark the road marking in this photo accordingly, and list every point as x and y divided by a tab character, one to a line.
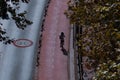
22	43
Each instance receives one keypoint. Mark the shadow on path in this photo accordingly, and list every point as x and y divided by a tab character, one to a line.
65	52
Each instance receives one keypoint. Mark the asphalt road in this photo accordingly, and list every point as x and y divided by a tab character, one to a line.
17	60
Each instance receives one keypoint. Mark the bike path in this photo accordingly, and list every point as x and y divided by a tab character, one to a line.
53	63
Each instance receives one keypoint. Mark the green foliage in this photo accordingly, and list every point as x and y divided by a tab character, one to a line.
8	10
100	40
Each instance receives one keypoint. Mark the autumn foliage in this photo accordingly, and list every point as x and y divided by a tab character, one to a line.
100	22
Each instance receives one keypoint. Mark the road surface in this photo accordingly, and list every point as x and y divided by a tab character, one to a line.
17	60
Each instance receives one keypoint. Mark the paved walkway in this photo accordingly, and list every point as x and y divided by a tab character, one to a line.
53	64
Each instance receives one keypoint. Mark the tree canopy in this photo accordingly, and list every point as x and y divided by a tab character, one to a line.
100	40
8	10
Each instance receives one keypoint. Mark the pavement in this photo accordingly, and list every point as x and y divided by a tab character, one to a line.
17	60
53	63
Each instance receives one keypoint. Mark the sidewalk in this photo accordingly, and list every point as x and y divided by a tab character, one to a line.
53	64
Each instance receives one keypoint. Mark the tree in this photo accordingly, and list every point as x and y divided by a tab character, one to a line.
7	11
100	40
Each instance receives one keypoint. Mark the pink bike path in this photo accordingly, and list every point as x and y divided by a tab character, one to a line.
53	63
